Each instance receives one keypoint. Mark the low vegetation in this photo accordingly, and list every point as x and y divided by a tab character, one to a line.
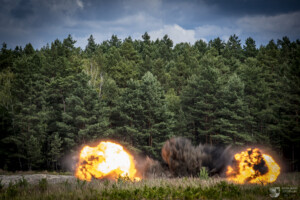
178	188
4	172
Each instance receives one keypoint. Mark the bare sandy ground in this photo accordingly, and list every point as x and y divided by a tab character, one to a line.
35	178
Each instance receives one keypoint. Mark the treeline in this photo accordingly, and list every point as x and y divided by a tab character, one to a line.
142	92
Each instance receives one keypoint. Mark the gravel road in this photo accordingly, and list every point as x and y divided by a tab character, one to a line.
35	178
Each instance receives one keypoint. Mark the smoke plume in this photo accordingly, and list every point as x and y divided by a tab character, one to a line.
184	159
149	168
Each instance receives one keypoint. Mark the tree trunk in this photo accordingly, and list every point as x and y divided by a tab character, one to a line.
64	103
13	119
234	139
150	136
21	167
297	118
101	84
195	132
293	157
150	140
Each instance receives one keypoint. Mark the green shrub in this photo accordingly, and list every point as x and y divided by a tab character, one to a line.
67	185
229	190
123	179
211	192
22	183
43	184
11	190
1	185
80	184
203	174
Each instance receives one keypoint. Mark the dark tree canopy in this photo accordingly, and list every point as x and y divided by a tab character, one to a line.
142	92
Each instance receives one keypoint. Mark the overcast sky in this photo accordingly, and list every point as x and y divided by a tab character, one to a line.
42	21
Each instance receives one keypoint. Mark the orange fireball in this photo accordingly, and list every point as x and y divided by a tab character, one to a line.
251	166
107	160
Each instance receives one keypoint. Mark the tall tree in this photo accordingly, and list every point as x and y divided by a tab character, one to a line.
233	48
199	104
201	46
115	41
55	150
218	44
250	48
144	114
231	114
91	46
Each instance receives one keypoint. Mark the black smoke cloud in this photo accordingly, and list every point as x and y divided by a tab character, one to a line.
183	159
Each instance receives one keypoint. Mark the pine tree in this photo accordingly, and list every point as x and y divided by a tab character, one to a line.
231	114
6	57
33	152
199	104
28	50
128	52
118	68
115	41
68	45
165	48
218	44
268	117
250	48
289	106
255	89
29	113
55	150
91	46
143	115
201	46
233	48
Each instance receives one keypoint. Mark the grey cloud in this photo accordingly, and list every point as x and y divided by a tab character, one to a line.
254	7
22	10
276	26
38	21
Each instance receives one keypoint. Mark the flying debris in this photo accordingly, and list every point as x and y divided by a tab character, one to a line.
252	166
106	160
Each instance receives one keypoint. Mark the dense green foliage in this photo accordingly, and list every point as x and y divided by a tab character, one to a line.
142	92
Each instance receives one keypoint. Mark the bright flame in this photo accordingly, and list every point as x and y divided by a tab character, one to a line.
251	166
107	160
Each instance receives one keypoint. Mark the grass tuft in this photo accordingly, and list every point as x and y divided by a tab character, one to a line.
43	184
203	174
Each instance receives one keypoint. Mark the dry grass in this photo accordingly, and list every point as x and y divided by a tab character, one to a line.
158	188
4	172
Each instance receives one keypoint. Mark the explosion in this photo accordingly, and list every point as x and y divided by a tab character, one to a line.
181	158
251	166
107	160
